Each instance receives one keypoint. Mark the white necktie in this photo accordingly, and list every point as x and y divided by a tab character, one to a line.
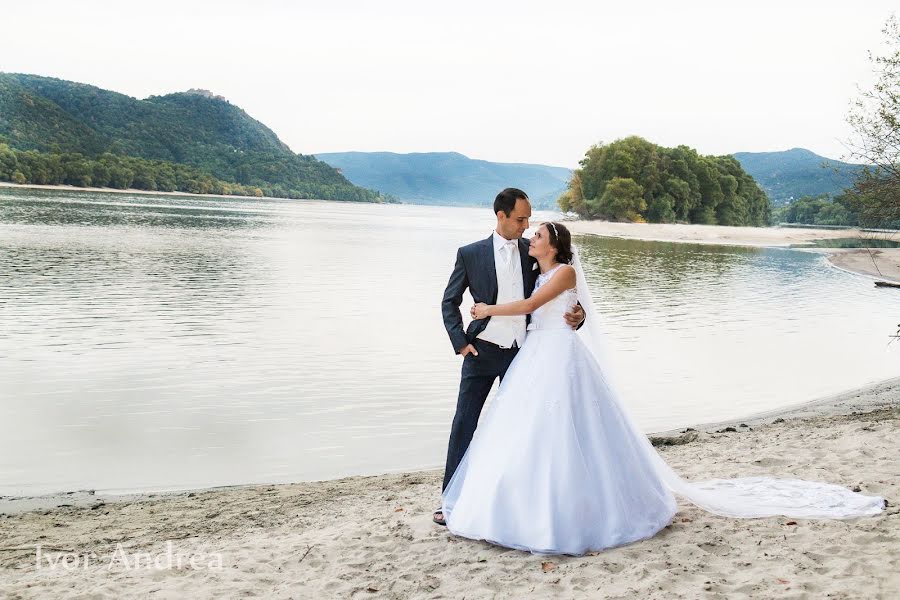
509	248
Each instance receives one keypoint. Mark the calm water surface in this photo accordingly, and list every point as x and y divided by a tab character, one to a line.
162	342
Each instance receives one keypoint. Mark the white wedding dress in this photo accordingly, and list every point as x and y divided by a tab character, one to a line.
557	466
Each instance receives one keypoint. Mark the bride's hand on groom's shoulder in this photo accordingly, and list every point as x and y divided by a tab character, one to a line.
479	311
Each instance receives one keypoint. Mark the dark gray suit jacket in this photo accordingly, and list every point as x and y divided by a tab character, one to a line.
476	271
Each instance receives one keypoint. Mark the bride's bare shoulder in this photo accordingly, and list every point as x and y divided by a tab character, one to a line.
565	274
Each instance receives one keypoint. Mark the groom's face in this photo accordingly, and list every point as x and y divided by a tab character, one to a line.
513	226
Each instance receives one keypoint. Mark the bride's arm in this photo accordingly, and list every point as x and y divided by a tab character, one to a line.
561	281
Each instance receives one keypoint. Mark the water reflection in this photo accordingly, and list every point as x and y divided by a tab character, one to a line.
44	207
627	265
735	330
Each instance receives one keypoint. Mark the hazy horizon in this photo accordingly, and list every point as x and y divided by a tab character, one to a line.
504	82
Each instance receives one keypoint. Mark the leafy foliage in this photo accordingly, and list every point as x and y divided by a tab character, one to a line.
875	119
820	210
635	180
112	171
218	140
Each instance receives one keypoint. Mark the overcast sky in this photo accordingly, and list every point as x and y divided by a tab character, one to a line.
504	81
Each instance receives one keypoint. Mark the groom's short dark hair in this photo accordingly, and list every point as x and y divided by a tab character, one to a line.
506	200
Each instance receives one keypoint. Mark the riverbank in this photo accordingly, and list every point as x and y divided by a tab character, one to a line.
133	192
130	191
880	263
860	262
372	536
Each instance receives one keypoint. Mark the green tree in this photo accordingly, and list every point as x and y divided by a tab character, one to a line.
78	172
120	177
100	175
8	162
662	209
144	178
623	199
875	120
682	197
834	213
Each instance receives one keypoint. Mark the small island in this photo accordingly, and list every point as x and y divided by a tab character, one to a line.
635	180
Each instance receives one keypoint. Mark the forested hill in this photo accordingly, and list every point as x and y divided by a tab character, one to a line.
795	173
448	178
217	141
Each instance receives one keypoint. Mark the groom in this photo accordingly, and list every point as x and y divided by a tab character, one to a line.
496	270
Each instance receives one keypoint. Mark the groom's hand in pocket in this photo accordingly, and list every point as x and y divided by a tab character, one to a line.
468	349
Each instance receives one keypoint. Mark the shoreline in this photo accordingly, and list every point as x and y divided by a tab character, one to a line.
882	264
872	397
868	398
372	537
132	191
136	192
855	261
720	235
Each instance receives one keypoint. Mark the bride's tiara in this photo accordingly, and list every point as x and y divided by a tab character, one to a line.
553	225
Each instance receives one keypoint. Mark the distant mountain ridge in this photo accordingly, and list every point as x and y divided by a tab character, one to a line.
794	173
454	179
194	128
448	178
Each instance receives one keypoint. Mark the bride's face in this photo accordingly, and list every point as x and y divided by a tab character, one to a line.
540	244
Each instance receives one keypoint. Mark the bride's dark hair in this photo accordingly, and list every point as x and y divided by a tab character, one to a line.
561	239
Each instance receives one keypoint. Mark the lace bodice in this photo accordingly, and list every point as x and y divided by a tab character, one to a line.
550	315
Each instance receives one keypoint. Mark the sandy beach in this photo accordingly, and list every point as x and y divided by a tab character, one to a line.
859	261
371	537
880	263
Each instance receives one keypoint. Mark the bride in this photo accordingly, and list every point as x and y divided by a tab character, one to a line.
556	465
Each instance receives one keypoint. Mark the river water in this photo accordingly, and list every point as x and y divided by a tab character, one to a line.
170	342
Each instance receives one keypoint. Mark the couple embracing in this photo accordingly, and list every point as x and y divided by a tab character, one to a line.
556	465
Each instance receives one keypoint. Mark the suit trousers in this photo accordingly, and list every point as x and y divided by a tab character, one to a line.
478	375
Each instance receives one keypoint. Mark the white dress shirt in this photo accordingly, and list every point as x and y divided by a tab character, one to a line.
503	331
